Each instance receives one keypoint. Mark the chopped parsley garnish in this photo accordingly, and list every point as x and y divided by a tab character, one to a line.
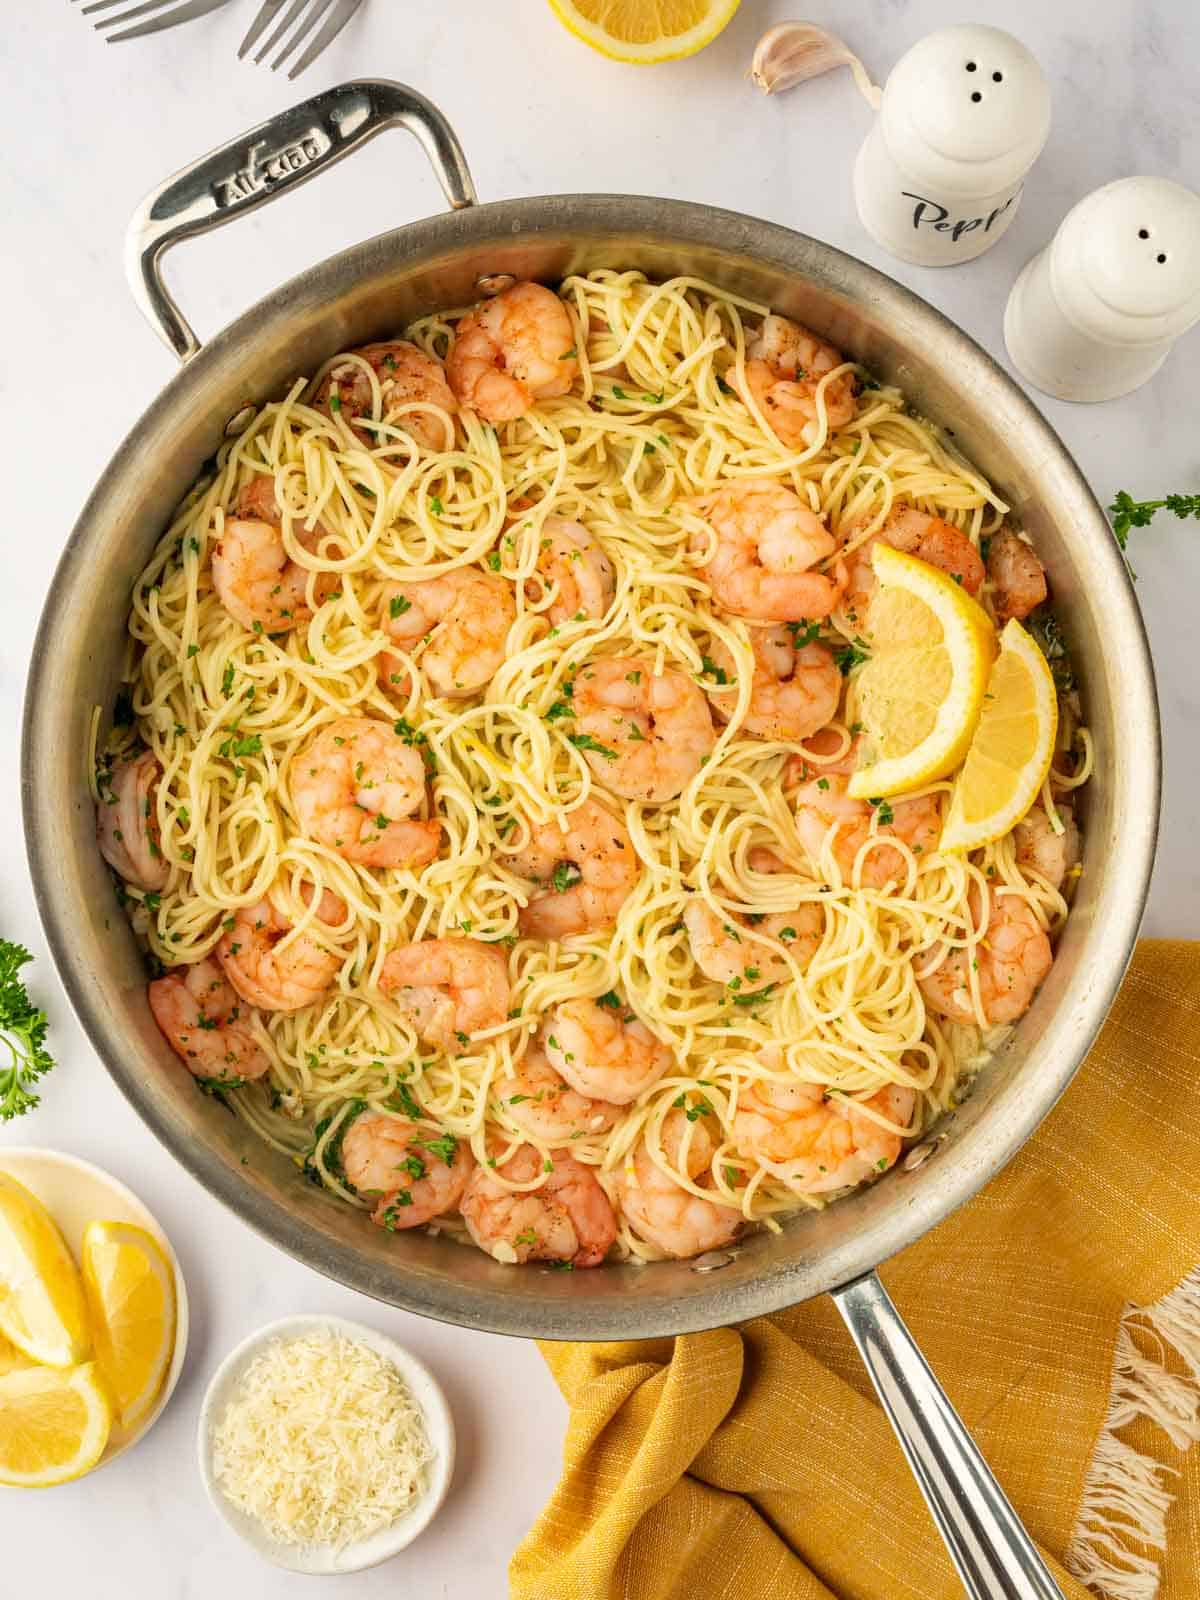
493	560
332	1154
565	876
851	656
398	605
251	745
1047	635
756	997
390	1218
884	812
804	632
584	741
713	671
407	732
227	680
408	1102
435	505
444	1147
700	1108
609	998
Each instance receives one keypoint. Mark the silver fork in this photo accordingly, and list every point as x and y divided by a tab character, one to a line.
337	14
158	14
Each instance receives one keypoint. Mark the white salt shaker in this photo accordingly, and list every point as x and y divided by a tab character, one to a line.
965	114
1095	313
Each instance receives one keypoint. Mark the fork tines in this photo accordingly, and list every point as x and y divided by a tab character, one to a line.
299	20
156	15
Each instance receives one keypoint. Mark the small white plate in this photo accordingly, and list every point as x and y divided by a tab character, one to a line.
324	1560
75	1193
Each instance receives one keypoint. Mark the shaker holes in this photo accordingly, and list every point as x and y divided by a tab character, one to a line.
1160	259
971	66
977	95
1143	233
997	77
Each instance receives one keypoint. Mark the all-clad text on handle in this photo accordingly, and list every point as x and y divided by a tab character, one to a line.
279	154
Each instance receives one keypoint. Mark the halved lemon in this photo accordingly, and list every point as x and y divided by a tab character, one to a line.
42	1309
131	1297
645	31
1011	751
922	687
53	1425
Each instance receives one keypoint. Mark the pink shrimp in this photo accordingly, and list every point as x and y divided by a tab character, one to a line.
407	377
784	368
567	1217
127	822
823	803
767	540
511	351
418	1172
206	1024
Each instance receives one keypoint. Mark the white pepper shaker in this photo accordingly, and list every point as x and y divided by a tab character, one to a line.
1095	313
965	114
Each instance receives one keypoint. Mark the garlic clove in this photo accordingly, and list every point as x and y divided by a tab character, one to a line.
793	51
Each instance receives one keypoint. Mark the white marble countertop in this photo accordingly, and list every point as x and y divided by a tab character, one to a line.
88	129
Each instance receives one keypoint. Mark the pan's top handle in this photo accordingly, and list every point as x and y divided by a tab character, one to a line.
995	1557
254	168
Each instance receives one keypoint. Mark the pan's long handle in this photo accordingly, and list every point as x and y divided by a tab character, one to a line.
279	154
995	1557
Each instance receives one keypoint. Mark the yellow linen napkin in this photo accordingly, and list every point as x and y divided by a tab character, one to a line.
754	1463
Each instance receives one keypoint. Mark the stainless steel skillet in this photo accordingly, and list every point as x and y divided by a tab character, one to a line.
371	290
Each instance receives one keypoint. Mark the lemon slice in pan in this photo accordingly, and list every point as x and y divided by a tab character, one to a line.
921	689
1011	751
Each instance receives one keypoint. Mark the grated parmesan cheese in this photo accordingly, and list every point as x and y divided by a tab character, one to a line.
322	1441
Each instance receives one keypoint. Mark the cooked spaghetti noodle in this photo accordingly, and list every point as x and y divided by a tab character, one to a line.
659	414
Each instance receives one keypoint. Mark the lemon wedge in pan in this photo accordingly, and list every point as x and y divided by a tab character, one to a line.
1011	751
922	687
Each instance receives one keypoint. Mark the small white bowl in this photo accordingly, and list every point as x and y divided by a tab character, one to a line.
75	1193
325	1560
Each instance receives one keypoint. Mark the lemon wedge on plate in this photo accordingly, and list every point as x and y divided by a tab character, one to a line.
921	690
53	1425
130	1289
1011	751
42	1308
12	1359
645	31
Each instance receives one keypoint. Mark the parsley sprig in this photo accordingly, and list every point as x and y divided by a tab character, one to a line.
22	1033
1126	512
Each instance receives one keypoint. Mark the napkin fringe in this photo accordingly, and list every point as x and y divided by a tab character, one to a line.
1125	1498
